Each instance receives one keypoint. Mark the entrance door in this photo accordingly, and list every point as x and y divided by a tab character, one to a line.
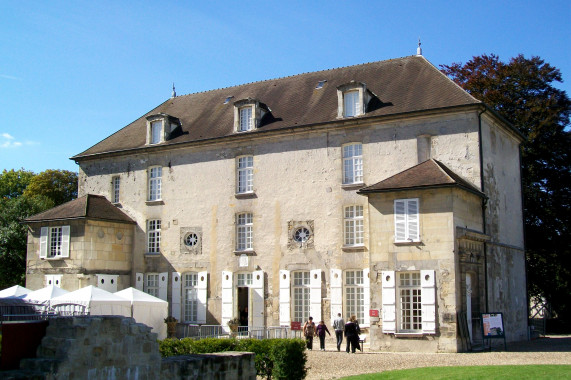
243	303
469	303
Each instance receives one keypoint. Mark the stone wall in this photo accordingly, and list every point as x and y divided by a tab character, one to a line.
113	347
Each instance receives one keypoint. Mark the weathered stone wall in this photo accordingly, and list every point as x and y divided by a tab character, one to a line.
96	247
297	177
110	347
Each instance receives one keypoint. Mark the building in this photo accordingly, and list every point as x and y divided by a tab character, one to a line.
376	188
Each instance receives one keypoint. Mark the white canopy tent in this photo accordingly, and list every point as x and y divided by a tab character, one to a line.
91	300
14	291
147	309
41	298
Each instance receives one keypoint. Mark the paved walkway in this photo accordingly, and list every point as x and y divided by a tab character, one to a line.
331	364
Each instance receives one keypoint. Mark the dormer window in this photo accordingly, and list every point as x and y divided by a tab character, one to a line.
352	99
160	128
248	114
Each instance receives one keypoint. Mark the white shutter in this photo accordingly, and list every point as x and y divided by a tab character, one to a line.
176	286
257	292
227	299
336	289
285	298
412	220
389	301
163	285
139	281
428	299
65	232
315	294
201	305
366	297
44	242
400	220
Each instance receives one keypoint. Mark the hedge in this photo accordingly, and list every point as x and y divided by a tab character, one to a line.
275	358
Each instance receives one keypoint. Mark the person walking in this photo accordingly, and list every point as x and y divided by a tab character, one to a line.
321	330
339	327
309	332
351	335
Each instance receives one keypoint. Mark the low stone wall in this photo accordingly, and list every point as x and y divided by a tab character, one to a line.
113	347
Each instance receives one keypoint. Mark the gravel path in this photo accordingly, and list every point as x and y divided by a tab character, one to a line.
331	364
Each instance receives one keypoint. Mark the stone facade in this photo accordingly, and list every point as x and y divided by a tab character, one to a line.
288	235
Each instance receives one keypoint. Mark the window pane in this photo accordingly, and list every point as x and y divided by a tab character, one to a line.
301	296
245	118
351	103
354	225
353	163
156	127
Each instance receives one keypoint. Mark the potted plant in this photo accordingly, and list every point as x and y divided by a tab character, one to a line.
171	326
233	324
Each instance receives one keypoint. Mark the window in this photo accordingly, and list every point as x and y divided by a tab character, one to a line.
53	279
301	296
354	294
115	186
245	119
152	284
301	235
155	174
156	129
351	104
244	230
353	163
245	174
153	236
244	279
410	306
191	239
353	219
54	242
190	297
406	220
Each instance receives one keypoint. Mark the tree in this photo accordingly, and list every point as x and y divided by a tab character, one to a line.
58	185
23	194
13	183
522	91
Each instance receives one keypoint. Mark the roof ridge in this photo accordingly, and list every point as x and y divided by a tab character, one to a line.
294	75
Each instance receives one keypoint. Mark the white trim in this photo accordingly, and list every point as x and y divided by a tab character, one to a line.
202	294
407	220
44	242
227	299
140	281
336	289
428	301
285	298
366	297
315	294
388	282
176	292
65	241
163	285
257	295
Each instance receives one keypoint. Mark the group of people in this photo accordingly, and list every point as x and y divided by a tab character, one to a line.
350	330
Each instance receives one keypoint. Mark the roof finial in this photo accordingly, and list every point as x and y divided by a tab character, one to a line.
419	49
173	95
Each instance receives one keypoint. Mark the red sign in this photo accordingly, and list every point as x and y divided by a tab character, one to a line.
373	313
296	325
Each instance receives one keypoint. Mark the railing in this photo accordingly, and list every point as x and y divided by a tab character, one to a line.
216	331
25	317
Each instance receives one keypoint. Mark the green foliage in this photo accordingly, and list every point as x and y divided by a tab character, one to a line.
13	183
503	372
23	194
278	358
522	91
58	185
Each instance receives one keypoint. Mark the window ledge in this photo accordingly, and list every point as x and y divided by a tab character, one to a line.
53	258
248	252
353	248
155	203
152	254
352	186
410	335
245	195
404	243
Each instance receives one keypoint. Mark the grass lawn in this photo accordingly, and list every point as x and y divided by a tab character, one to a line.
502	372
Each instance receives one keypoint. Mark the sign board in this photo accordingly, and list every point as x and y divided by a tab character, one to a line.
296	326
493	327
374	313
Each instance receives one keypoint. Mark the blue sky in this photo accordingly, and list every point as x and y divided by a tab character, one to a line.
74	72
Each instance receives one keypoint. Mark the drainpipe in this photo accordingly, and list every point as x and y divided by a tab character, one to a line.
484	203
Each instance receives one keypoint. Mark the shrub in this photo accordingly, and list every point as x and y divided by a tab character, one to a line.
277	358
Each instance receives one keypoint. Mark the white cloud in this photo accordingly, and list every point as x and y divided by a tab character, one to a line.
8	141
9	77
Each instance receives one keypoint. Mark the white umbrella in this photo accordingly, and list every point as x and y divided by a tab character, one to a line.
14	291
93	301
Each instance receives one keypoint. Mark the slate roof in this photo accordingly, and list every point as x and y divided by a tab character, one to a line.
87	207
426	175
400	86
